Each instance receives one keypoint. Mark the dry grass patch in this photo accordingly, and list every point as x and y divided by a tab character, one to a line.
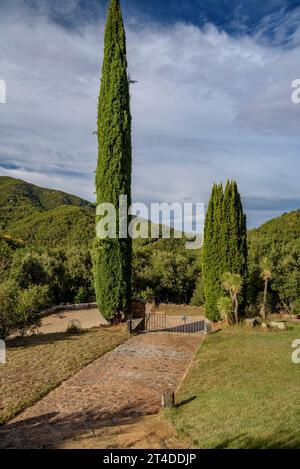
37	364
180	310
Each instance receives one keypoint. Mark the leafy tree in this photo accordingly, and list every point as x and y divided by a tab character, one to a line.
78	268
112	257
233	283
27	269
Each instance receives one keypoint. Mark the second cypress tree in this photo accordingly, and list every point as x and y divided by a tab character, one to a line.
225	243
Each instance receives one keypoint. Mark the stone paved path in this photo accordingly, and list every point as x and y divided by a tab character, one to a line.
118	389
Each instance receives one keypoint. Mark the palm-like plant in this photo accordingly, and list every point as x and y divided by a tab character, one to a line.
233	283
225	308
266	275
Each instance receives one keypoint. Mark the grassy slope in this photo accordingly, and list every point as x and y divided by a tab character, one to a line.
37	364
244	392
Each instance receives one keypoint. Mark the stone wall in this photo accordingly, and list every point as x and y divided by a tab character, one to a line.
139	308
72	307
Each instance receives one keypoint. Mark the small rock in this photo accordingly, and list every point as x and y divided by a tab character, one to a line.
278	325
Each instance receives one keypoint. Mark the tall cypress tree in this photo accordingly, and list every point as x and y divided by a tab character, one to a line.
212	262
112	257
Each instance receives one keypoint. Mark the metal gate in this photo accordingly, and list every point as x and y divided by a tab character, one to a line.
155	322
162	322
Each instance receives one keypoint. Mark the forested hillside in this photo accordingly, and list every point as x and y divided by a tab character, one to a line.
44	217
46	238
279	241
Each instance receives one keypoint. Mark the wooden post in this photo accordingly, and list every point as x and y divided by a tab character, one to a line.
168	399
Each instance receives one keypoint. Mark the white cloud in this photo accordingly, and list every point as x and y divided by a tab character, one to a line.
207	106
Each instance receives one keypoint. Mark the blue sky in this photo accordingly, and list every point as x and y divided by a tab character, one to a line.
213	98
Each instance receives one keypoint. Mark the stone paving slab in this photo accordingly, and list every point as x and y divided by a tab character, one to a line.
126	383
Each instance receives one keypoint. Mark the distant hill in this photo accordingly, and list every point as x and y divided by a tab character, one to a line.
49	218
44	217
278	240
275	234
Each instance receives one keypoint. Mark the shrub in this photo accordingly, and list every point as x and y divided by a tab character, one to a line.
252	310
296	307
198	298
83	295
9	294
147	294
27	269
31	303
270	304
225	308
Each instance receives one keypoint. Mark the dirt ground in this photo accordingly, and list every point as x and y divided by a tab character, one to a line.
58	322
180	310
147	432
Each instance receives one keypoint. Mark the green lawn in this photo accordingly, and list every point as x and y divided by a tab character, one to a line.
37	364
242	391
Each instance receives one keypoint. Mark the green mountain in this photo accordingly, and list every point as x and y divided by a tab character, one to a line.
44	217
49	218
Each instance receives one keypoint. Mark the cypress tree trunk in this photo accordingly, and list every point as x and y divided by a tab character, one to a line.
112	257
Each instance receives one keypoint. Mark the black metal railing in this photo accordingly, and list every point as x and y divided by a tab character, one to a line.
153	322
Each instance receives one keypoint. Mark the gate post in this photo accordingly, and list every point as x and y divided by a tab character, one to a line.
207	327
129	326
